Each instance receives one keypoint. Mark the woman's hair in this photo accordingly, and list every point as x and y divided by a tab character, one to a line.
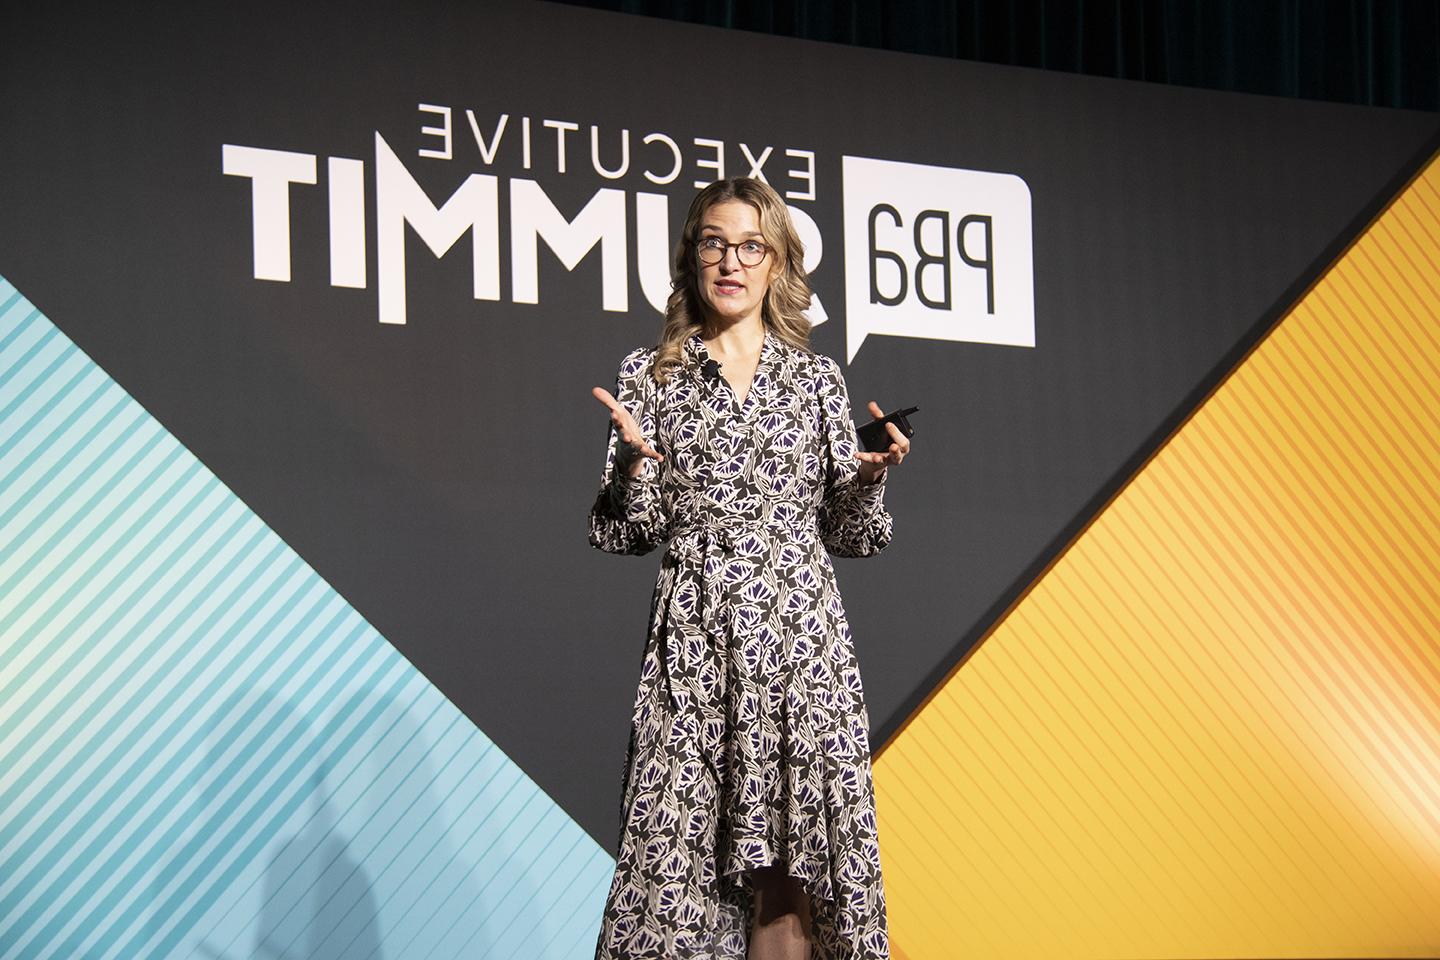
787	295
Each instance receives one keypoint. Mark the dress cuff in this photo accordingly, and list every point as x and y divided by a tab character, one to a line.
632	494
872	494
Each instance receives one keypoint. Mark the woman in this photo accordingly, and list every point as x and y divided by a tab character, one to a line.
748	819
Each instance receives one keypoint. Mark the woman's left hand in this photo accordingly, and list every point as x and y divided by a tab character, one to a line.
872	465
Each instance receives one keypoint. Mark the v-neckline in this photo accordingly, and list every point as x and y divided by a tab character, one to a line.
766	347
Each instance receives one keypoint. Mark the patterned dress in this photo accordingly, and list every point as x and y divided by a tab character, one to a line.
749	741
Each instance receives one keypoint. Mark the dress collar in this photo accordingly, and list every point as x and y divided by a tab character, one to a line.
772	353
696	353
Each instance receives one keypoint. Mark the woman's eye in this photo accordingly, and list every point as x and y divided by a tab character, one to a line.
711	243
750	246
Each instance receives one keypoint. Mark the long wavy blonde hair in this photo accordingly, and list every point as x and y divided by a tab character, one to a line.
785	299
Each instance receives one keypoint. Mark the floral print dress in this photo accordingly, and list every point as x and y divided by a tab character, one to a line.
749	742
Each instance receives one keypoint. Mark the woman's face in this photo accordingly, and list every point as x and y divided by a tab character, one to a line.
729	290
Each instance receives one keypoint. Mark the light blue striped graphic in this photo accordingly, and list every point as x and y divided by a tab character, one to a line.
205	752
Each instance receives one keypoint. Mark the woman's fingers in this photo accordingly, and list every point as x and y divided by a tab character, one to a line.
898	450
631	436
639	445
625	426
618	414
641	449
606	398
899	443
902	442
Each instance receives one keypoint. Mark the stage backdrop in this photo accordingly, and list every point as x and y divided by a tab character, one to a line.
302	649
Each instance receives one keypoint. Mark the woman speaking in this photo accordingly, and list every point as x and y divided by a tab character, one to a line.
748	815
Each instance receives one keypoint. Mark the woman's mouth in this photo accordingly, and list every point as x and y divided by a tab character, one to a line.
728	286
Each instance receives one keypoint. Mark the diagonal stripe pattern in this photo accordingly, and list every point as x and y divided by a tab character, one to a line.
204	750
1212	728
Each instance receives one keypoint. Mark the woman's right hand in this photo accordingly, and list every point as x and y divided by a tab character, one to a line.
632	448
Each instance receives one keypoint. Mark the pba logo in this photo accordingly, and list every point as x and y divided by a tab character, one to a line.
936	252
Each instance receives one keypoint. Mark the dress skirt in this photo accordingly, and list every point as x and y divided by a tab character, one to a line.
749	743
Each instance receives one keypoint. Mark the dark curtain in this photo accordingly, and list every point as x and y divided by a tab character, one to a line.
1377	52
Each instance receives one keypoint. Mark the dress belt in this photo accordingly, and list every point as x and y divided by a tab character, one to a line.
691	536
690	542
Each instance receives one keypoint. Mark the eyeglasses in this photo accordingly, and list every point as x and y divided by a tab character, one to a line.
750	253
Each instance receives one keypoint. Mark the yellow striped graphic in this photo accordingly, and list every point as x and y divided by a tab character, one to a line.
1212	728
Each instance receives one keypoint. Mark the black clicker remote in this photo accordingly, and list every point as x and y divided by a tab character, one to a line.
876	439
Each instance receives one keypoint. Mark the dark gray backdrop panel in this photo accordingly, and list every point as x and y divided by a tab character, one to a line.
438	473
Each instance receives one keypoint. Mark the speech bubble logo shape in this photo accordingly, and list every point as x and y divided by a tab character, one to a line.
939	253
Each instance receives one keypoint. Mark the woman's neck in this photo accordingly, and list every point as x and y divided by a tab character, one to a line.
740	338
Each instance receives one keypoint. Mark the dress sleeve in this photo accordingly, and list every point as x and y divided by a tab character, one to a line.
628	516
853	518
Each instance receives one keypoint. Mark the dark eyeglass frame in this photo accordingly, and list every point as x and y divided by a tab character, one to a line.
701	248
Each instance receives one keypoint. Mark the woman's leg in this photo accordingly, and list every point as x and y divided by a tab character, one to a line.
781	930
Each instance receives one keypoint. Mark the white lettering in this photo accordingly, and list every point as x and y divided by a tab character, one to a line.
718	164
652	247
674	149
400	200
487	150
443	132
347	222
619	172
806	173
602	221
755	165
271	172
810	238
561	127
